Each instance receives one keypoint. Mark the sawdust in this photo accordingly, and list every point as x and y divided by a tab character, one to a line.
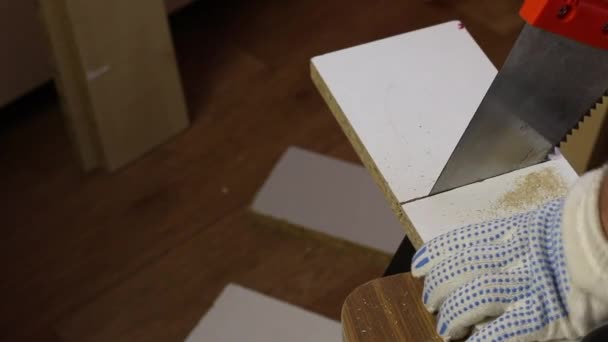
532	190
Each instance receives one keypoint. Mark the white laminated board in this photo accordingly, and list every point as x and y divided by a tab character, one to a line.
497	197
405	101
240	314
330	196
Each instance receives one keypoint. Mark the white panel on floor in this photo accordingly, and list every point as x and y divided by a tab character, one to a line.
240	315
501	196
329	196
409	99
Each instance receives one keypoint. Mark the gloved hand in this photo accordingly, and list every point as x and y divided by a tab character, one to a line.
543	275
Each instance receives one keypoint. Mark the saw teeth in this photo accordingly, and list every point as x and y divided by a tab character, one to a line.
586	115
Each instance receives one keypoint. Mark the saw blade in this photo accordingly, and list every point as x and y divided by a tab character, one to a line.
546	86
580	144
600	102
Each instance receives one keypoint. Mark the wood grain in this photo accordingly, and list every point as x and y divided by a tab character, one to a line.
118	76
386	310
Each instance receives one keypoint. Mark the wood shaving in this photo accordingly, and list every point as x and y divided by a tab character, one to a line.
532	190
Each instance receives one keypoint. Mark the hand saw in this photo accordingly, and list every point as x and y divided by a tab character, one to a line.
556	72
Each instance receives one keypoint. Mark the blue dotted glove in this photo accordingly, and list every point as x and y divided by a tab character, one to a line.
511	269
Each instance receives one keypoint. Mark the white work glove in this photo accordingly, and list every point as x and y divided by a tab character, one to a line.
541	275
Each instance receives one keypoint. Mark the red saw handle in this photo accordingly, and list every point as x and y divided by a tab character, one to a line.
585	21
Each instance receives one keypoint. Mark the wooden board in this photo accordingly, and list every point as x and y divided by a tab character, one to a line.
502	196
120	82
404	122
403	102
240	314
388	310
406	100
329	196
71	84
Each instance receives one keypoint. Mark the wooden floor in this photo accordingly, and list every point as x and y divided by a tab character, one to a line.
140	255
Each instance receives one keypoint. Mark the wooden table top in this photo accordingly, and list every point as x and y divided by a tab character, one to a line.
388	309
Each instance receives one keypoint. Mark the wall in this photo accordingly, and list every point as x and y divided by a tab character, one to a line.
24	57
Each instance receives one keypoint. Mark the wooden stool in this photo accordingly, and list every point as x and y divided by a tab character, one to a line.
388	309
